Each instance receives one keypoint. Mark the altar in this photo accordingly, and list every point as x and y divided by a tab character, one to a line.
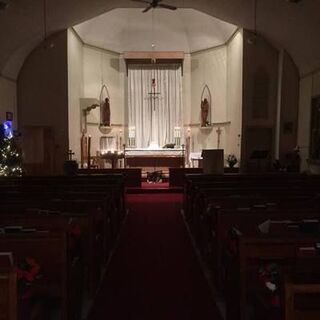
154	159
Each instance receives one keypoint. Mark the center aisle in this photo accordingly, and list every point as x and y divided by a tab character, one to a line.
154	273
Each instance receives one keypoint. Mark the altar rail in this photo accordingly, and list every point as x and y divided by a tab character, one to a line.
132	176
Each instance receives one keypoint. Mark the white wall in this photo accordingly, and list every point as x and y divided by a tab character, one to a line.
220	68
234	94
75	90
104	67
309	87
208	68
8	99
42	90
187	103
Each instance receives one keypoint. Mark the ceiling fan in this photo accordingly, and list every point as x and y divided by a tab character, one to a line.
4	5
155	4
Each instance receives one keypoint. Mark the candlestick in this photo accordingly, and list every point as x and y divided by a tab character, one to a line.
89	152
81	149
120	142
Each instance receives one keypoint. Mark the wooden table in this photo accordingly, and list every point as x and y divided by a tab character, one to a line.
113	158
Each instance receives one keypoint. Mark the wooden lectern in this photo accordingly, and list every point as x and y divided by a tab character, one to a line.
213	161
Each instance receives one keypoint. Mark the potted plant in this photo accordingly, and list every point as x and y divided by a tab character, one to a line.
232	160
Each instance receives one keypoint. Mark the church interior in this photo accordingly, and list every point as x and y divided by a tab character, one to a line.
159	159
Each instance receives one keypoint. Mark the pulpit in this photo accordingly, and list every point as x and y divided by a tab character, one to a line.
213	161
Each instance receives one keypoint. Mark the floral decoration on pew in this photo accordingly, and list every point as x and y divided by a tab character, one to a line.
28	271
269	276
74	243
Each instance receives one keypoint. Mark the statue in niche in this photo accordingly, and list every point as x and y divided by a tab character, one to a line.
204	112
105	113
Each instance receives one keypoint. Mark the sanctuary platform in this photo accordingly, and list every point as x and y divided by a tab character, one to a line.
134	180
159	187
154	159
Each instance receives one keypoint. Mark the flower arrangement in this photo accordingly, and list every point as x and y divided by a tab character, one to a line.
232	160
75	241
28	271
269	277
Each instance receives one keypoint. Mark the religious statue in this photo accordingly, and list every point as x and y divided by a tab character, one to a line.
105	113
84	148
204	112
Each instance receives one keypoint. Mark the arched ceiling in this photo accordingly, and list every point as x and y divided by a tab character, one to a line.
293	27
185	30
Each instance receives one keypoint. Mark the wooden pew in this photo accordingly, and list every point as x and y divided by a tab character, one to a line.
84	216
204	196
208	194
57	273
195	182
225	220
103	205
177	175
95	203
132	176
203	211
292	289
8	288
211	208
95	230
56	187
244	253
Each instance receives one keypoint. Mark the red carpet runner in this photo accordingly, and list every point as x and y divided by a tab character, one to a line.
154	273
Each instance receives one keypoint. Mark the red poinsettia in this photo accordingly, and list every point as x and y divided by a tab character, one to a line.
28	270
74	243
269	276
75	230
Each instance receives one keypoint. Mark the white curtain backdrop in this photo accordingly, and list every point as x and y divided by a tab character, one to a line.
155	119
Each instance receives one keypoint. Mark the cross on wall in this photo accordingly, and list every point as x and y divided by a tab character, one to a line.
70	155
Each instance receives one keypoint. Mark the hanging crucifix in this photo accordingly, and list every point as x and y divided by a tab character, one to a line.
153	94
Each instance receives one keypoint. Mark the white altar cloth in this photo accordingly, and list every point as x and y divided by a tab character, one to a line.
153	152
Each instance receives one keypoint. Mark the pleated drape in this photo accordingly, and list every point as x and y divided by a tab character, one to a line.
154	119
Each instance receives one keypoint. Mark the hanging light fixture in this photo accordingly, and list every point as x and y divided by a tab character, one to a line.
153	46
46	44
253	38
4	5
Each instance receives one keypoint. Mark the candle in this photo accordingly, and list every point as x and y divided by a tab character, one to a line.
120	139
89	152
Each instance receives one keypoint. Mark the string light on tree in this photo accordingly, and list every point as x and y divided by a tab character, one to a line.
10	158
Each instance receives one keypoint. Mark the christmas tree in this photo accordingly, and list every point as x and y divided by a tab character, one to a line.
10	157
